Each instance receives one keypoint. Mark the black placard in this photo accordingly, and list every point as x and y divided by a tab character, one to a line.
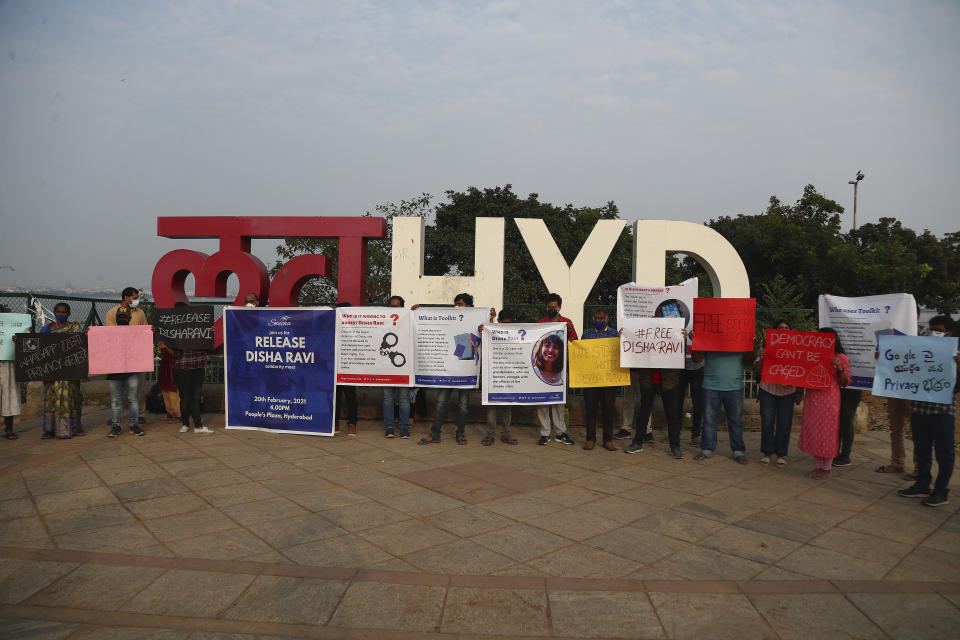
185	328
51	356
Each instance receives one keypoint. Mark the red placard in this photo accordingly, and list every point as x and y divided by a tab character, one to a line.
798	358
724	324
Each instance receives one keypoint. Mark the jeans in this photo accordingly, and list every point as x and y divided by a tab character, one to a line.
933	431
400	395
125	383
602	401
849	401
732	402
551	414
776	418
349	397
506	414
190	387
693	378
463	410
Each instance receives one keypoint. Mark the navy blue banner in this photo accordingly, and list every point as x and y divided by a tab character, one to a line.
526	398
279	369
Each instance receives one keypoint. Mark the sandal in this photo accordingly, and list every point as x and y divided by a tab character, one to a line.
429	440
910	476
889	468
81	432
47	436
700	457
487	441
10	435
462	439
508	440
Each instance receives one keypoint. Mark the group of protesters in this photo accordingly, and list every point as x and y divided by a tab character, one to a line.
714	380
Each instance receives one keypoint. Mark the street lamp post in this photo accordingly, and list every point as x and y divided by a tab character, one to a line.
855	182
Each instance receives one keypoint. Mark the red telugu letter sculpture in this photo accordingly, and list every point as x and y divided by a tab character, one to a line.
235	233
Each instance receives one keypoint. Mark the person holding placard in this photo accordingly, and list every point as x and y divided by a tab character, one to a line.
189	369
932	424
776	411
9	394
820	423
400	396
126	313
62	400
551	415
602	400
348	395
723	387
506	412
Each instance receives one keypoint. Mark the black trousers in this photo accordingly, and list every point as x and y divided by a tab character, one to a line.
190	387
602	400
849	401
347	395
672	402
693	378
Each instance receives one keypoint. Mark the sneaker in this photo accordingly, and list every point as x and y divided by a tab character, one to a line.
563	438
203	430
781	461
137	431
352	429
935	499
623	434
388	434
543	440
913	491
765	460
184	429
405	434
648	437
114	431
677	453
635	447
841	462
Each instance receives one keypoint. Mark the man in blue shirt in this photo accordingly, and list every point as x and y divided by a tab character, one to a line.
723	385
603	399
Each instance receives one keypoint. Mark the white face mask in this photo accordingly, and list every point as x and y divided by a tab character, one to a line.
937	334
250	304
135	303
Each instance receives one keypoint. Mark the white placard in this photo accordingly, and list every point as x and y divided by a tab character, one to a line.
652	343
525	363
374	346
639	301
447	346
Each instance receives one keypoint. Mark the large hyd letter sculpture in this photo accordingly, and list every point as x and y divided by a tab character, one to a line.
235	233
652	240
407	279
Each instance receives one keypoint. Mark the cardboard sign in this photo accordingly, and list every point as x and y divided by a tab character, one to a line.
916	368
652	343
798	358
51	356
596	363
447	340
186	328
125	349
859	322
278	369
11	323
724	324
641	301
524	363
375	346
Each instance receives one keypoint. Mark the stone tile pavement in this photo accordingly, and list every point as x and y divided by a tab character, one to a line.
254	535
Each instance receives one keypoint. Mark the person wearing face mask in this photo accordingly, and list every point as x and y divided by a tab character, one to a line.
62	400
552	414
125	313
932	424
602	400
251	300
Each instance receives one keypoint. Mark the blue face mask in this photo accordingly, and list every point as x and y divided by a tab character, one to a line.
61	318
599	325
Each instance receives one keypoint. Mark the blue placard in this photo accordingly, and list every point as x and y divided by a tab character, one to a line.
916	368
279	369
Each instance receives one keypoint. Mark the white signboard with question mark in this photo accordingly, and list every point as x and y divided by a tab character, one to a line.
374	346
447	344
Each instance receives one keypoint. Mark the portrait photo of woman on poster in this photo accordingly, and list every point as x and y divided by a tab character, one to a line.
548	358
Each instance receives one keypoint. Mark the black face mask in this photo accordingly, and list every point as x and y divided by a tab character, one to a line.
553	313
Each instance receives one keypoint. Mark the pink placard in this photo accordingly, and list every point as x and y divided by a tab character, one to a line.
120	349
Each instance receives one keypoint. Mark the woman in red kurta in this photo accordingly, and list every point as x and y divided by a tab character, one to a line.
820	427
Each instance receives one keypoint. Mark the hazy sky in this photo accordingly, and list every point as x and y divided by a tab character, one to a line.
114	113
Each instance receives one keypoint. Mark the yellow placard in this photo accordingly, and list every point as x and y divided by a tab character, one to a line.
596	363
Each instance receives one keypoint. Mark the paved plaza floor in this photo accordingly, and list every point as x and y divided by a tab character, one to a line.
245	534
